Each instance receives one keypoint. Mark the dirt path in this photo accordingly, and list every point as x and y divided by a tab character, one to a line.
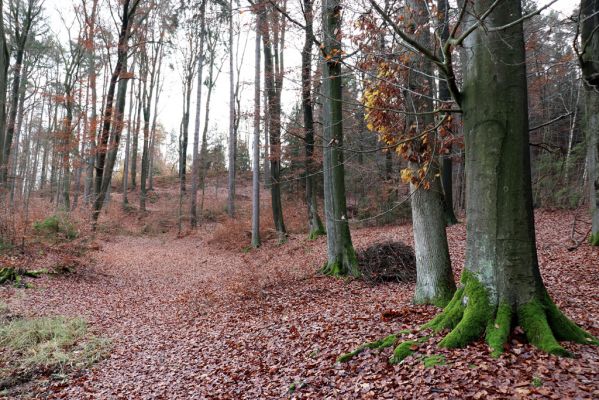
189	321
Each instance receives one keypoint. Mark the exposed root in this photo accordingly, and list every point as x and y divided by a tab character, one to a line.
469	315
15	275
378	344
316	233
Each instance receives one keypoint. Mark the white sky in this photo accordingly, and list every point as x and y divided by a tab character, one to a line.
170	107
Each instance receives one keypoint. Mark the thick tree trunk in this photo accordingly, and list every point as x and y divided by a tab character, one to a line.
501	282
315	226
341	254
590	71
256	146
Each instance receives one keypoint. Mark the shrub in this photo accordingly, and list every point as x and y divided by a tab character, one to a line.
56	225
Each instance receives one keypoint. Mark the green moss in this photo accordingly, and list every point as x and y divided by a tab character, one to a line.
563	328
475	316
451	315
594	239
433	360
345	264
533	320
536	382
316	233
378	344
499	330
402	351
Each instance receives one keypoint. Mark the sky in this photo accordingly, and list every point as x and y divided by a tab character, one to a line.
171	103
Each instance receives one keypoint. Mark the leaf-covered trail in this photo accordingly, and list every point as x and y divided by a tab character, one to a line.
190	321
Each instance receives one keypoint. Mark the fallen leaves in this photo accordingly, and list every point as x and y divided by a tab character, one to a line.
188	320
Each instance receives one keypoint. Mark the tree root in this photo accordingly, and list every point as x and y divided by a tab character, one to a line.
345	264
469	315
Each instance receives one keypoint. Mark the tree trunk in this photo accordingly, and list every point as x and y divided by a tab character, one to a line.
341	254
232	138
501	283
135	142
4	62
590	71
256	147
434	277
444	96
274	128
195	169
315	226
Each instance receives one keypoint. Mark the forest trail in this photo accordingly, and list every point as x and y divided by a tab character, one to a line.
188	320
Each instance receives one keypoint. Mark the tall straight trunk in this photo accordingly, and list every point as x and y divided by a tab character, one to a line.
266	140
232	138
66	149
184	133
256	146
434	277
195	169
13	156
4	62
93	118
128	145
444	96
502	285
274	127
204	149
12	115
315	226
590	72
341	254
135	142
154	121
144	154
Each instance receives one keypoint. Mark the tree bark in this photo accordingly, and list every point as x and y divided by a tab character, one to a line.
256	146
434	277
195	169
315	226
232	138
590	71
501	282
341	254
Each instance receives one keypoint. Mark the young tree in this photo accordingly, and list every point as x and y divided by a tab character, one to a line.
588	56
340	251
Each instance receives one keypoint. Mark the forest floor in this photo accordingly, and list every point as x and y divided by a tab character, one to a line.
189	319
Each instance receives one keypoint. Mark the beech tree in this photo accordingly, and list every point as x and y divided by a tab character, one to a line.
501	284
588	54
341	256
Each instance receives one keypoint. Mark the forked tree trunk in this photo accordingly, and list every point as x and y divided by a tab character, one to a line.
501	283
340	251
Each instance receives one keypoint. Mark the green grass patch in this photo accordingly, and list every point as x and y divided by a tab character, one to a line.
46	346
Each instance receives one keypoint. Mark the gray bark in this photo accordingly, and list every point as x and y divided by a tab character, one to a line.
341	258
256	148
